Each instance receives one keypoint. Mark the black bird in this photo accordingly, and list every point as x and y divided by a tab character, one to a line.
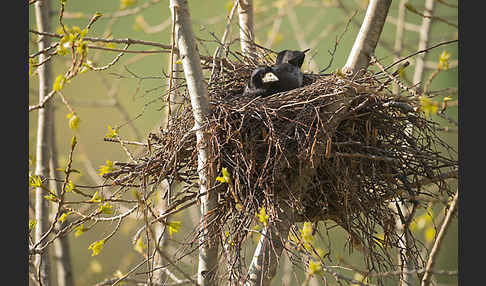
261	81
285	75
287	69
289	77
295	58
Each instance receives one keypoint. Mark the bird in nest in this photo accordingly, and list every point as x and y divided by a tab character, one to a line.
285	75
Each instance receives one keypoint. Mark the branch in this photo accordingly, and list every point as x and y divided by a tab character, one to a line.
438	241
269	249
130	41
217	52
368	36
419	52
103	40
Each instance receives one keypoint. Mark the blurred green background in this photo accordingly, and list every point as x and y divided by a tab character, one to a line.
140	83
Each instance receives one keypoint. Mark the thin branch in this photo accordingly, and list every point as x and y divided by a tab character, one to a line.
43	101
299	35
421	51
438	241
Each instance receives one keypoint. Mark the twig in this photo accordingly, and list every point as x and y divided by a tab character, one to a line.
112	62
103	40
448	118
415	271
130	41
217	53
427	16
421	51
338	39
43	102
374	60
124	141
438	241
171	71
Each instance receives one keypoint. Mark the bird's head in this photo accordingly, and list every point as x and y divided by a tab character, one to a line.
295	58
263	75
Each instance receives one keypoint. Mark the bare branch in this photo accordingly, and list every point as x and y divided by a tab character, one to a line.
438	241
368	36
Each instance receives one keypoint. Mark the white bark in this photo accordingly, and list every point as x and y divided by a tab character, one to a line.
62	256
42	9
160	276
399	35
247	35
161	233
267	254
208	251
438	241
423	41
368	36
407	278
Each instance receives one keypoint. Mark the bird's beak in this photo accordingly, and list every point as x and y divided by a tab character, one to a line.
306	51
269	77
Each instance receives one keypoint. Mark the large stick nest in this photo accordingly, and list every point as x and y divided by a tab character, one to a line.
336	148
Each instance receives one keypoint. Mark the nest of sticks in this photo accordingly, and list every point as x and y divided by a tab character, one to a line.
335	149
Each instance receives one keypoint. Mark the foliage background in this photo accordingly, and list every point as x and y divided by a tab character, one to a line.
142	98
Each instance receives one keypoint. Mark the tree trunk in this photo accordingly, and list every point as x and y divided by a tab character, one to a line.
368	36
407	278
208	251
247	35
160	276
62	256
269	249
42	9
423	41
399	35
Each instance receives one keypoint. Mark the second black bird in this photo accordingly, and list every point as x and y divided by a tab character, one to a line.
285	75
261	81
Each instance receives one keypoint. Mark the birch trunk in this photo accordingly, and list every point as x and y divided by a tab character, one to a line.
423	41
368	36
160	276
269	249
265	259
247	35
399	36
208	251
62	256
42	9
407	278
